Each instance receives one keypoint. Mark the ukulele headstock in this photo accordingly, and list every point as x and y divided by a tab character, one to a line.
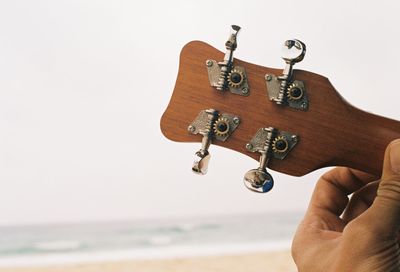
285	119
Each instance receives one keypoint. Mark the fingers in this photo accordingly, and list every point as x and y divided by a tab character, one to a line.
330	195
360	201
385	210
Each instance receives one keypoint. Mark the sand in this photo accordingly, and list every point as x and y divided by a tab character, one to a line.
262	261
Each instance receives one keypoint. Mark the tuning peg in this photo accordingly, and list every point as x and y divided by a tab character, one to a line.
202	157
259	180
231	43
207	118
270	143
226	64
212	125
284	89
224	75
293	51
200	164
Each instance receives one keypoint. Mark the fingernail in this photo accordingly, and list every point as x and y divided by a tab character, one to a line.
395	156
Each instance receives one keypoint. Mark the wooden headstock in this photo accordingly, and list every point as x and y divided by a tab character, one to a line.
331	132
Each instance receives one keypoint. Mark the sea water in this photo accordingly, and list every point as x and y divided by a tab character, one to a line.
145	239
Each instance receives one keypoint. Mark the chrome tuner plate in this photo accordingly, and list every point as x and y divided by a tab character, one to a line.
222	127
296	94
237	82
280	144
211	125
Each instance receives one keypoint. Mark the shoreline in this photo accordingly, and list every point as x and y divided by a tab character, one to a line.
144	254
277	261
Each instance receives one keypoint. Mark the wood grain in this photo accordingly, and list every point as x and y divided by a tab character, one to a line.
331	132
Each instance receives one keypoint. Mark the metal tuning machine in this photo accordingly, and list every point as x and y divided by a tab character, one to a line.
224	75
211	125
283	89
270	143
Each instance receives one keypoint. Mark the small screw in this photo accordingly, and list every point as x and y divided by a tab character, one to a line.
209	63
249	146
304	105
236	120
245	90
294	138
191	128
268	77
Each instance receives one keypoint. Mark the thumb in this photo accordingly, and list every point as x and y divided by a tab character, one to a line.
385	210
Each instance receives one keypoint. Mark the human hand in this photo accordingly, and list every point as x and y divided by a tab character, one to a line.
360	234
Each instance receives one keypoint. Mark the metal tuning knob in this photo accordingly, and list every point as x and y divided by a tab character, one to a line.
270	143
226	64
224	75
202	157
211	125
259	180
293	51
283	89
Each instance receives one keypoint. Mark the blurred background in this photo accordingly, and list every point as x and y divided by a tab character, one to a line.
85	173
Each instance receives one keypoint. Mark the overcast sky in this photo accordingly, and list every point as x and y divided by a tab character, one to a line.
83	85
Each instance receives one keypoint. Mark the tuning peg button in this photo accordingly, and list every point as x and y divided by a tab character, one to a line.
293	51
202	157
200	164
258	180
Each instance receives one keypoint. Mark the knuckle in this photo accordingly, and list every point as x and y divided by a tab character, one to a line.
390	189
369	228
362	231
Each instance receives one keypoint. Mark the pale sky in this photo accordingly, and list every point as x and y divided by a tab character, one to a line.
83	85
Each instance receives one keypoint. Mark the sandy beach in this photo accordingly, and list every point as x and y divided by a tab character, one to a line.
279	261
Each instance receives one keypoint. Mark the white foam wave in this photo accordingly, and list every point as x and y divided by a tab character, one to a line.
57	245
167	252
160	240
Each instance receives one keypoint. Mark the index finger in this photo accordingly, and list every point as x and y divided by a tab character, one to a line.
330	196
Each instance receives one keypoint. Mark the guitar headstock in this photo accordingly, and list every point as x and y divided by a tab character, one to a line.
292	121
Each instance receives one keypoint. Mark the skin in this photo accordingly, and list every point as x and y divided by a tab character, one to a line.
356	234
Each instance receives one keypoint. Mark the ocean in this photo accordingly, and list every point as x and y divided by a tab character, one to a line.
145	239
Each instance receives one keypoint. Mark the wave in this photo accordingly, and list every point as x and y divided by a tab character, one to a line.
160	240
185	227
167	252
57	245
